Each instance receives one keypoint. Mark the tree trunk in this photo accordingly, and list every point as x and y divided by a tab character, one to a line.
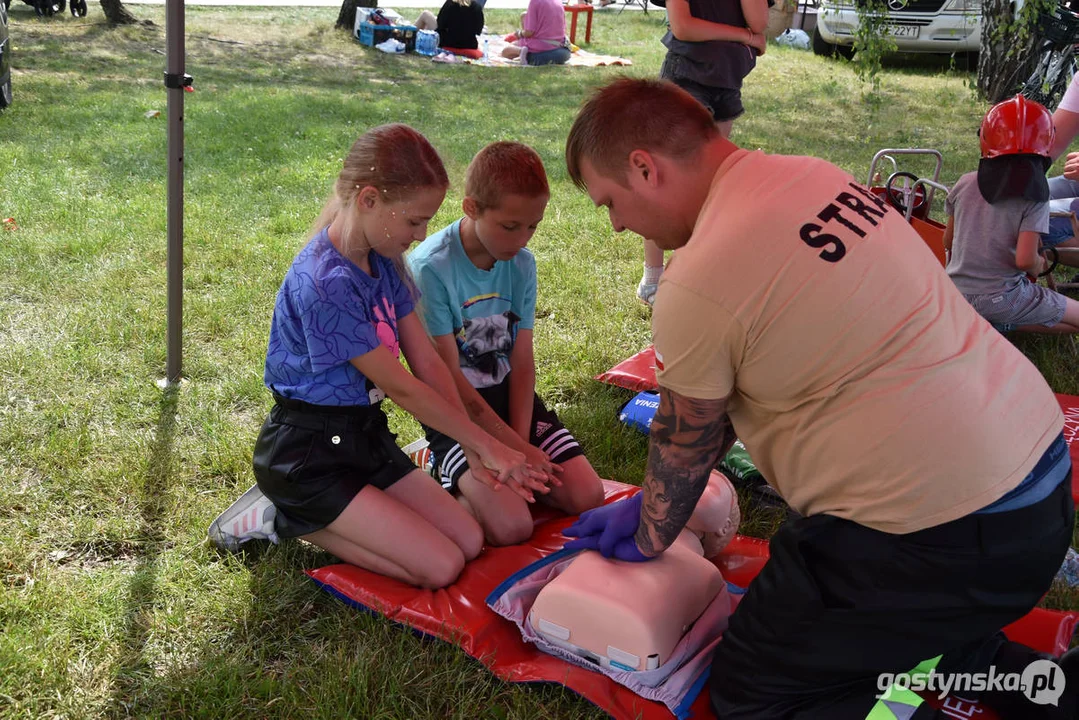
116	13
347	17
1005	64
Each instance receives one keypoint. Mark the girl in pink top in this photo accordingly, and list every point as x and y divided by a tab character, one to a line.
542	39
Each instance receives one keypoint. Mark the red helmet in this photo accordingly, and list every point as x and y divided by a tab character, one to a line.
1017	126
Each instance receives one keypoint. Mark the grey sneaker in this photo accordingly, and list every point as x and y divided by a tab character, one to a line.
646	292
249	518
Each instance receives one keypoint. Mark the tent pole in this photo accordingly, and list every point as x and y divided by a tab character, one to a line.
175	82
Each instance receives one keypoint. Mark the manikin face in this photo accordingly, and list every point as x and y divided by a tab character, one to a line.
504	230
392	226
635	203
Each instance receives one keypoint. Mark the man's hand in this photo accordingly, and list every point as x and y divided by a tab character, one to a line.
609	529
1071	166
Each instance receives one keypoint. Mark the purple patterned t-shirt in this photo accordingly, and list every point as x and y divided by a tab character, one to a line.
328	311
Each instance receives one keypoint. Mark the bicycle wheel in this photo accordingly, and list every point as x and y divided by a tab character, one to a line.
1035	85
1048	88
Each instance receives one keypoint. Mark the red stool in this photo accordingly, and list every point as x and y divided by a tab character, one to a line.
575	10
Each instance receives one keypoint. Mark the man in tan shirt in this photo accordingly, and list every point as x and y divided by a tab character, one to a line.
924	451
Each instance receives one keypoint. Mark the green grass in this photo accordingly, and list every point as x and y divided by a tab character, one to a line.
111	602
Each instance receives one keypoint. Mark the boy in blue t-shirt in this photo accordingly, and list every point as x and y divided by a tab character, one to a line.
478	286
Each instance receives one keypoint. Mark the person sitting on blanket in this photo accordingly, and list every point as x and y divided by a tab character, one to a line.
996	217
542	37
325	457
478	283
922	449
459	23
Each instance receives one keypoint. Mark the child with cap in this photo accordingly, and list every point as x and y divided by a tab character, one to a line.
995	220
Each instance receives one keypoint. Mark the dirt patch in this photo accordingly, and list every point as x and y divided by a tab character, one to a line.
95	554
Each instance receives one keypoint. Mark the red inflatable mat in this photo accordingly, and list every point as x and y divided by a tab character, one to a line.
638	373
459	615
1070	405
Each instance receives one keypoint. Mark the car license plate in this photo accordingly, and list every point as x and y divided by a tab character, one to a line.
903	31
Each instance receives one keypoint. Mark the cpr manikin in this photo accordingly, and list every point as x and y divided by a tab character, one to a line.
630	616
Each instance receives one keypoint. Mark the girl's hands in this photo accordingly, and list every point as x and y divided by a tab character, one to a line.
498	465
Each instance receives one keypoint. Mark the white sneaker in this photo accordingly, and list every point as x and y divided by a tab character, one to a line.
249	518
646	292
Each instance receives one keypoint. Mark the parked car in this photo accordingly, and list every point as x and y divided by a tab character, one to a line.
5	60
935	26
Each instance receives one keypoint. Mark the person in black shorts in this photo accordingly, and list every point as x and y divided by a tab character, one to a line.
478	283
712	45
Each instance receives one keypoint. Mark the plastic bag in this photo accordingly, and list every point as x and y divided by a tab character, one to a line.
392	46
795	38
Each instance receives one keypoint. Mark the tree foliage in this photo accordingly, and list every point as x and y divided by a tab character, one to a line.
1007	49
871	39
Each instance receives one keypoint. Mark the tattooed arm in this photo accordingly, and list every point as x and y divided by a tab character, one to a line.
688	437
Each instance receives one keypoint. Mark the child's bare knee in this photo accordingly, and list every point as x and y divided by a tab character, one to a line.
583	490
441	569
582	497
470	540
510	530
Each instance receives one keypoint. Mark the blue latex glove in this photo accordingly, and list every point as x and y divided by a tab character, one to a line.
609	529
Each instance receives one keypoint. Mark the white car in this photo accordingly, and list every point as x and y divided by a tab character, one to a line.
935	26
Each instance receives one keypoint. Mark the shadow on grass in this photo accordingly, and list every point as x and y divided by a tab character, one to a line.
295	651
142	589
931	63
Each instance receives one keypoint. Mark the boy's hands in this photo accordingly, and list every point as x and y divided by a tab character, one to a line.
498	465
539	461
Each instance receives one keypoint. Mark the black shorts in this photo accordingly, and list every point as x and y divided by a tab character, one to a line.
725	104
548	434
838	603
312	460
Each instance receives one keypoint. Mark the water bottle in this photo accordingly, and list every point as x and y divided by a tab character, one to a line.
426	42
1069	571
486	54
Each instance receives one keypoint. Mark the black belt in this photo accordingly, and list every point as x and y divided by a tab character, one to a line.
329	419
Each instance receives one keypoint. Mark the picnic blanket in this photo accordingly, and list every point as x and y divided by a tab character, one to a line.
459	615
495	44
638	373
